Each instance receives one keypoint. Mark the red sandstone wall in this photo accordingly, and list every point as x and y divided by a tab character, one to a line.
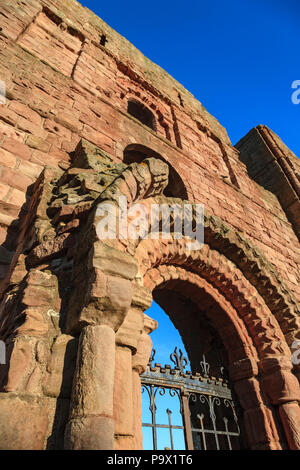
62	85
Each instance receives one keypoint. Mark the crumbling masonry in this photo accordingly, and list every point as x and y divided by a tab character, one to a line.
88	118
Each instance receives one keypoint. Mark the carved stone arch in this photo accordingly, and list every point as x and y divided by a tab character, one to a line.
248	258
219	236
261	325
136	153
226	279
258	270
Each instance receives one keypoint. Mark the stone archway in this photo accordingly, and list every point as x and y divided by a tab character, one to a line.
242	353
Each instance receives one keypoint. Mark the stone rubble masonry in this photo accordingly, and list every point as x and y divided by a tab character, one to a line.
72	311
63	85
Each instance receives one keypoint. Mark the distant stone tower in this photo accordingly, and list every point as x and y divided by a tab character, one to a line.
88	119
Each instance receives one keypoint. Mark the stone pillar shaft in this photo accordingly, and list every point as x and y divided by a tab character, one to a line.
290	417
139	363
282	386
91	424
260	428
123	405
137	407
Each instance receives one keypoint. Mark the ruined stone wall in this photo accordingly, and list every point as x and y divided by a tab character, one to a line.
62	84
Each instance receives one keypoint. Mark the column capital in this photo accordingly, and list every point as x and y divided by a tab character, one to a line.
141	358
130	331
141	296
243	369
278	381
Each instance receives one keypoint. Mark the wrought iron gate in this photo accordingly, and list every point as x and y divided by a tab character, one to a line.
208	413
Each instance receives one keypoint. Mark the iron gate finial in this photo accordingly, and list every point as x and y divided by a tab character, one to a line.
179	360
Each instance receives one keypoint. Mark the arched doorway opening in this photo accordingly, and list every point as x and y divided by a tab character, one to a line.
165	406
192	404
196	330
244	349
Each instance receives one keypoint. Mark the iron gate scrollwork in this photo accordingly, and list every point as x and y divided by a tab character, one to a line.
208	411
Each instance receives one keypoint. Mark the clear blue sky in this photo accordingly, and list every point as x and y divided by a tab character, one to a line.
238	57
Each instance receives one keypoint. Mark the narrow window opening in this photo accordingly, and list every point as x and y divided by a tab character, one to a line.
143	114
52	16
103	40
180	100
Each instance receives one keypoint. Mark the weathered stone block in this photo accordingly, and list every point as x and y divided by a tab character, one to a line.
61	367
23	422
21	355
130	331
112	261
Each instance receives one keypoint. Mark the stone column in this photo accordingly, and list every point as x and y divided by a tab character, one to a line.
260	428
106	303
137	406
139	364
123	403
290	417
125	390
282	386
91	424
